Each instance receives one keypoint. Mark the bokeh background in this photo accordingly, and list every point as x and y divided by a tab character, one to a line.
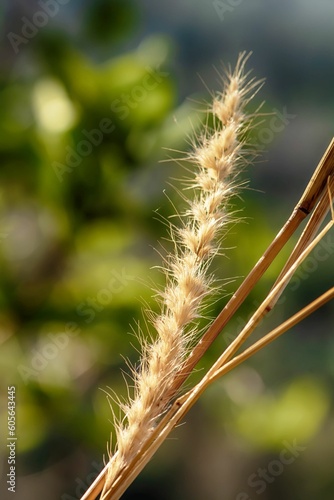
95	96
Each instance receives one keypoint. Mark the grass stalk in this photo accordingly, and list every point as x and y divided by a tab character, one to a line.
313	224
183	404
274	334
223	365
170	419
315	189
196	240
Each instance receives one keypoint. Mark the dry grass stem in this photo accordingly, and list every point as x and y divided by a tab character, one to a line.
266	304
314	190
315	221
150	414
182	405
274	334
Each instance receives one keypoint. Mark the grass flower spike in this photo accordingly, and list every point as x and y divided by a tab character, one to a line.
218	157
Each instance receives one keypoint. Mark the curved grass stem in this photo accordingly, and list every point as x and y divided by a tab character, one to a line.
315	194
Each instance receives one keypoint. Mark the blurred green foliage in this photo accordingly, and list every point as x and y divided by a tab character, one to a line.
80	142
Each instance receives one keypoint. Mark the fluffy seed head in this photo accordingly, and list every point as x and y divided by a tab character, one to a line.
217	159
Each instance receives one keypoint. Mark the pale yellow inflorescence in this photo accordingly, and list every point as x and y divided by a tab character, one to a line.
218	158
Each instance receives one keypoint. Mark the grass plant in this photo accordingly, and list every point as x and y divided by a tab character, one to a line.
157	403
